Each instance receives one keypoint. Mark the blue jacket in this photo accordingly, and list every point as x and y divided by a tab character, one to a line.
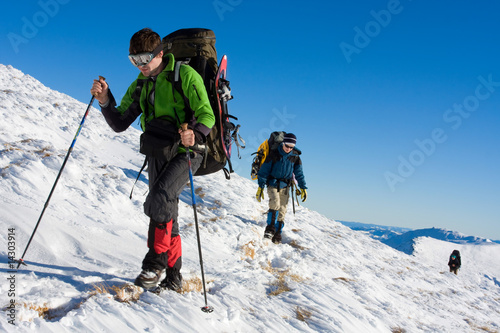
280	167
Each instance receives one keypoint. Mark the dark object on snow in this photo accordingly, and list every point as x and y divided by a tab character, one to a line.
455	261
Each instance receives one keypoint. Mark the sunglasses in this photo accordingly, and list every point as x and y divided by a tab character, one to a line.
144	58
289	146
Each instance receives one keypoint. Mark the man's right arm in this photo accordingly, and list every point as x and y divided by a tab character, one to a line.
119	119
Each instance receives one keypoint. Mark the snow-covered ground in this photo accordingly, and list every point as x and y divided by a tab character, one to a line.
92	238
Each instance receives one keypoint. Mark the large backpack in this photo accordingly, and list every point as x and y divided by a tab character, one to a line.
455	256
196	47
265	149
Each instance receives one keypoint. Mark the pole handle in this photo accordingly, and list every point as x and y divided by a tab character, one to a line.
101	78
184	126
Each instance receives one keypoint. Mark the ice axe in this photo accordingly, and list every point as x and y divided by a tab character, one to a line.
295	192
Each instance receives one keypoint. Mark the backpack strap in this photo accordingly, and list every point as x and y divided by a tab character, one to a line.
175	79
239	143
140	171
139	175
136	95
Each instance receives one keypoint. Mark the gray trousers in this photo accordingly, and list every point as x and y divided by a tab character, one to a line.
166	182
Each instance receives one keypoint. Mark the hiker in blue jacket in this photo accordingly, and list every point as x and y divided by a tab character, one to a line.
277	172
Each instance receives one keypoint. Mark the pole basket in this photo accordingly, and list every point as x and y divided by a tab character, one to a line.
207	309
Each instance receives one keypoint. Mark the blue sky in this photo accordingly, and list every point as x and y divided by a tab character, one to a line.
396	104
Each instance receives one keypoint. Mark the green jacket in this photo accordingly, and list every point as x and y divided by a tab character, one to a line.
168	103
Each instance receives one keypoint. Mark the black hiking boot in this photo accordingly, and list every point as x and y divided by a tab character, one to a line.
148	278
276	238
173	280
269	232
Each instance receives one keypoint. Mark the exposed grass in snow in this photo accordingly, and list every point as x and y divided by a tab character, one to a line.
282	279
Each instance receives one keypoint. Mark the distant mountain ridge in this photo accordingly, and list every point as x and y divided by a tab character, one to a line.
403	239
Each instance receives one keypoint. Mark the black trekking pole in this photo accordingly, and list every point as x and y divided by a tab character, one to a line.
21	260
205	308
293	201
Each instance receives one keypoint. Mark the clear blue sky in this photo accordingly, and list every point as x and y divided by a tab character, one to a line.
396	104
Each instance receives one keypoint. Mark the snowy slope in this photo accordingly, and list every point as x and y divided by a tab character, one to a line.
324	278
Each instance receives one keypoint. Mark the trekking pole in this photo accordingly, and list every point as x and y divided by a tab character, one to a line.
21	260
206	308
297	193
293	201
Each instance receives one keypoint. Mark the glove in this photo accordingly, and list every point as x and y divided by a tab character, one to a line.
303	194
260	194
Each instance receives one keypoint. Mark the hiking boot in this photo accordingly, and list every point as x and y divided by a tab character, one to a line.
173	280
276	238
148	278
269	232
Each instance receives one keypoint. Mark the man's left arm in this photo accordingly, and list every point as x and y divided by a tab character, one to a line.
299	174
200	104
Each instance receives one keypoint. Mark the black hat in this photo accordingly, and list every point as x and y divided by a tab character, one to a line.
290	138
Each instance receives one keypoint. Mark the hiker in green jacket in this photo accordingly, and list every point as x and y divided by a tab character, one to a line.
161	107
